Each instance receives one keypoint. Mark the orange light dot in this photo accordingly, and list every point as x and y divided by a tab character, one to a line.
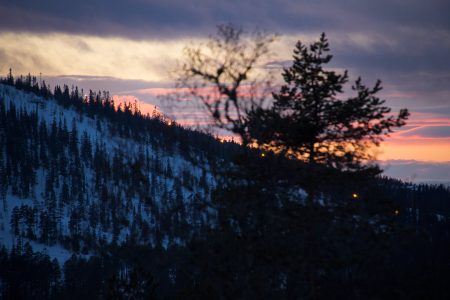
263	154
355	195
396	212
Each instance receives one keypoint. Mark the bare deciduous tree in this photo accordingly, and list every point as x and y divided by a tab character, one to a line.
226	76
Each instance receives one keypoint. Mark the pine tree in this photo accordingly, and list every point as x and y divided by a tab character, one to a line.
10	78
3	180
73	140
309	122
15	219
86	148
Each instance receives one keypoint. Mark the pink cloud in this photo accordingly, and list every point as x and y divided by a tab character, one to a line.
144	108
244	91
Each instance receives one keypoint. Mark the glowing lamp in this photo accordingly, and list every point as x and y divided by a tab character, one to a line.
355	196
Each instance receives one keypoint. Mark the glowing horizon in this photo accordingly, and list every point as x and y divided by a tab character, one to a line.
405	144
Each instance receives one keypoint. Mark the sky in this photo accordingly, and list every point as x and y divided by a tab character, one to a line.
130	47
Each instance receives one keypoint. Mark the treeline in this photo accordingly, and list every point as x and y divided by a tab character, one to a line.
421	200
25	274
125	120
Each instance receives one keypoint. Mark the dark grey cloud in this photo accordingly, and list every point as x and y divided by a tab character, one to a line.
424	14
141	18
441	111
133	19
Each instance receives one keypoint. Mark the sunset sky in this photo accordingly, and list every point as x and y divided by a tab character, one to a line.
129	48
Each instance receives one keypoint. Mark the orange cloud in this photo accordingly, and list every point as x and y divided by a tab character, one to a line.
426	137
437	150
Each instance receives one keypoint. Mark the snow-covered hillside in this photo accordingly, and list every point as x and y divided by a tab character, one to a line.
96	200
72	183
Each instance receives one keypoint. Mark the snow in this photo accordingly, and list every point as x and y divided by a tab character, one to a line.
48	112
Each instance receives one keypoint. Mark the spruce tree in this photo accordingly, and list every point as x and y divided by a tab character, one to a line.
310	122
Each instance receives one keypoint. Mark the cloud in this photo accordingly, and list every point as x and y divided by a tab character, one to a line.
415	148
143	19
114	85
56	54
428	132
417	171
404	43
162	18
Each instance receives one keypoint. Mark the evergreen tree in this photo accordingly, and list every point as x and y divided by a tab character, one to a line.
73	140
10	78
309	122
3	180
86	148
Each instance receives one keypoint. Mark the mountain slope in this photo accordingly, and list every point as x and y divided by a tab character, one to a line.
97	200
82	181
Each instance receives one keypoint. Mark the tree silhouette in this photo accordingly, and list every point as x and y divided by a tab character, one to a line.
308	121
221	76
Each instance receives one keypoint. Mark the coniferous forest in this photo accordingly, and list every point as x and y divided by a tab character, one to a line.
99	201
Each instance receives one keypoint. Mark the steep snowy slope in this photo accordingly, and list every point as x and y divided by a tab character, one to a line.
72	181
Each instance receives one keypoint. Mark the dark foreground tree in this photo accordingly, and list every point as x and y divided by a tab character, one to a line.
309	122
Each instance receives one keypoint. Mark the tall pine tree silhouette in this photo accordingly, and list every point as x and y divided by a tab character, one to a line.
310	122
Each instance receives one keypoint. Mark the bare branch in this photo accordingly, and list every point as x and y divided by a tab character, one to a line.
220	75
